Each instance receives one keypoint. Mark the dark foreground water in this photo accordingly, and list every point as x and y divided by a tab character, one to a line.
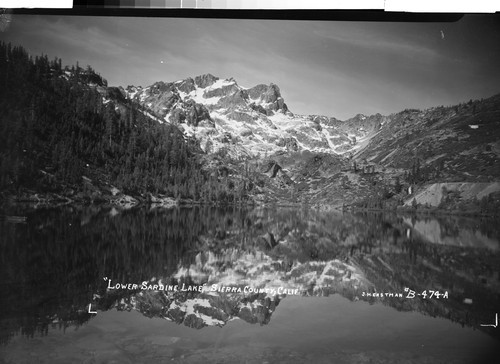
89	285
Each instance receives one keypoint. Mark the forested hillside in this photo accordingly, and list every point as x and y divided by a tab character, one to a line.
62	130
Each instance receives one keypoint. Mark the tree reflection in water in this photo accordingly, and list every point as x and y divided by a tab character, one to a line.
54	265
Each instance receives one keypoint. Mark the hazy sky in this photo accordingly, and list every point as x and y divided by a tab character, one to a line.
331	68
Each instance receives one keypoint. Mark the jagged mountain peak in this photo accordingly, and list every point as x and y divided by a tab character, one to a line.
268	96
205	80
249	121
213	92
210	86
256	120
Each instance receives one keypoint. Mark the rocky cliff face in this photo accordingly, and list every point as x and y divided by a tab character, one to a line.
257	118
453	143
459	143
362	156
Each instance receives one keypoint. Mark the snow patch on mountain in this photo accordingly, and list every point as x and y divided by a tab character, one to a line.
244	121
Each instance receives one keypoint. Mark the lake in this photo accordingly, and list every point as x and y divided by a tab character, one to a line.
247	285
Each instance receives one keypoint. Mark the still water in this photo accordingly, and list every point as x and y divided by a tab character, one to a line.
206	284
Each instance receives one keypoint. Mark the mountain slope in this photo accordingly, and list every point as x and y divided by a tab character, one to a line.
66	136
321	159
252	120
67	133
461	142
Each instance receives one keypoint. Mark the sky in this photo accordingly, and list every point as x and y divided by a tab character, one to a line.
332	68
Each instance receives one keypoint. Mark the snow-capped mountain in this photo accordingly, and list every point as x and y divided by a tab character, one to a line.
257	123
250	121
273	155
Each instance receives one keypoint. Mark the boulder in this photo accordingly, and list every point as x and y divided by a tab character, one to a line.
162	201
125	201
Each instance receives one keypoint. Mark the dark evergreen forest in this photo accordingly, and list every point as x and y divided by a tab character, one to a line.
57	131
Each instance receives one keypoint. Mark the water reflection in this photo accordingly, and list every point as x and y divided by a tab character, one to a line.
54	265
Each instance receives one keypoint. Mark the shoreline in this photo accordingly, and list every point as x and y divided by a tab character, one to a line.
54	200
426	211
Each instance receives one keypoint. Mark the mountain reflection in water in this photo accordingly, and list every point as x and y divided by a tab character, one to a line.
61	260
